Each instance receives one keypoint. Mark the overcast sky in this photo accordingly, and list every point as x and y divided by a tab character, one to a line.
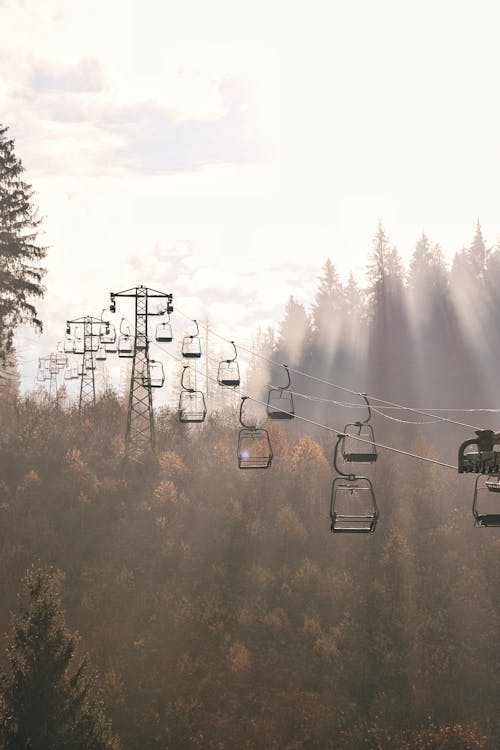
223	150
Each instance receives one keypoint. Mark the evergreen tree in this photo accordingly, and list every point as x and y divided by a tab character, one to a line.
46	700
328	300
294	334
20	255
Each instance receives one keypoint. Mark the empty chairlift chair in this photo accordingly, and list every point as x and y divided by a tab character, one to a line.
107	337
191	345
71	372
358	444
228	374
353	508
486	502
164	332
101	355
254	445
125	341
156	375
280	400
78	342
192	406
69	343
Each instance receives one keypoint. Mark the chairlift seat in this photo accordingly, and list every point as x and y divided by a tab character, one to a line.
228	374
125	347
164	333
355	450
192	407
101	354
493	486
191	347
280	404
487	519
353	508
156	375
254	448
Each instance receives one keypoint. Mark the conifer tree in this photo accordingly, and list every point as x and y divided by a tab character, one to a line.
20	255
46	701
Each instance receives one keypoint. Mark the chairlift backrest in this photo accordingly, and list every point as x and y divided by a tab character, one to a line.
486	502
125	346
254	448
156	375
358	443
191	345
192	406
164	332
228	373
280	400
107	333
101	353
353	509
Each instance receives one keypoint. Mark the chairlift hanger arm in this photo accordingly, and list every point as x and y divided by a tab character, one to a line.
365	421
248	426
185	388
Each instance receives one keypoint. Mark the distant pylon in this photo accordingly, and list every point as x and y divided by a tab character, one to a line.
89	344
140	430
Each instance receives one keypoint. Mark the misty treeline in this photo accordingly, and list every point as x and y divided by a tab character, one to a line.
217	607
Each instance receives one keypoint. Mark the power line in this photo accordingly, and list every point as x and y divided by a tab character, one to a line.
335	430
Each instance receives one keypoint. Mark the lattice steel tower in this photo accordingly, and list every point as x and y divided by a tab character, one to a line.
87	345
140	431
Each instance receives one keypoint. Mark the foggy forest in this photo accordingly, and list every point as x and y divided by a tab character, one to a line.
212	607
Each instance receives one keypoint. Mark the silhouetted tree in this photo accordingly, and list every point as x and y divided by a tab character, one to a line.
20	255
46	702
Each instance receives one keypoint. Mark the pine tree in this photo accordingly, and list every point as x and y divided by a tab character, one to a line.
20	255
46	700
294	334
328	300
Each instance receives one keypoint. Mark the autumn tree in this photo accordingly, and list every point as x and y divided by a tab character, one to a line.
46	699
20	253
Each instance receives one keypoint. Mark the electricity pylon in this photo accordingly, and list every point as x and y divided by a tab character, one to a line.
140	431
86	345
48	370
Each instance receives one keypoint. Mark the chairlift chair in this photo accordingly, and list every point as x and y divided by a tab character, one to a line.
191	345
78	342
107	334
93	342
71	372
90	362
69	344
61	358
480	455
486	503
254	445
125	346
101	354
228	374
353	508
164	332
53	366
125	343
192	406
280	401
156	375
358	443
